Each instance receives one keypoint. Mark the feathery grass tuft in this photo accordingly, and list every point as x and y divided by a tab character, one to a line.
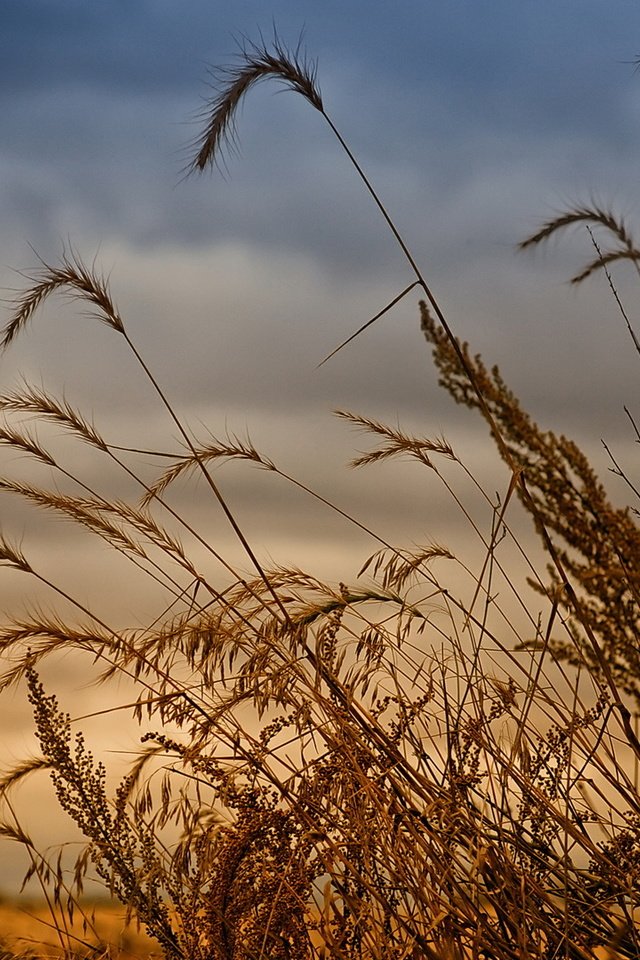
257	62
594	216
71	277
11	556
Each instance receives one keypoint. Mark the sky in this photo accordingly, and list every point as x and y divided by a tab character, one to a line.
476	122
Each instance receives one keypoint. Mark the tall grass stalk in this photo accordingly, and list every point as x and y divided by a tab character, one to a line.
387	768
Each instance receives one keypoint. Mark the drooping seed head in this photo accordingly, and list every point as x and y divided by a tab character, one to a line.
72	278
256	62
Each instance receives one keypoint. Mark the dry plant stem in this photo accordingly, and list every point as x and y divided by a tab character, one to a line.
71	938
591	216
442	802
617	470
497	527
199	456
634	425
595	217
480	588
364	326
281	67
180	691
219	451
353	598
168	583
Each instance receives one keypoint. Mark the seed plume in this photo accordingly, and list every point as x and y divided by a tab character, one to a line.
590	216
256	62
71	277
594	215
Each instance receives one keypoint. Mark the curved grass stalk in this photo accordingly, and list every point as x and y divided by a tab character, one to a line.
590	216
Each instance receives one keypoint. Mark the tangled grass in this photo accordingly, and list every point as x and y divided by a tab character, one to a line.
383	769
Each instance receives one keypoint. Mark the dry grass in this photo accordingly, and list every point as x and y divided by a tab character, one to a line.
386	768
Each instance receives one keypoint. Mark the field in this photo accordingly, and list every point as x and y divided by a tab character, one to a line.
25	928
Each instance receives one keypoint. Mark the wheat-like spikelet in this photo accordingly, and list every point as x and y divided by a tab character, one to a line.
396	442
398	569
11	556
71	277
596	216
233	449
257	62
38	403
22	440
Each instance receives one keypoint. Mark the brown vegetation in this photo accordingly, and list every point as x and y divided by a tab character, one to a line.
391	769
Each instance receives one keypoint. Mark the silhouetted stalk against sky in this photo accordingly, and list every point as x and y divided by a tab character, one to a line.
34	402
115	637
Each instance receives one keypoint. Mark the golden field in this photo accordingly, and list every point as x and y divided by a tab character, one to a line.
27	928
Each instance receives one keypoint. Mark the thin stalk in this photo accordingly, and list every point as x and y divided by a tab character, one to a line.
612	287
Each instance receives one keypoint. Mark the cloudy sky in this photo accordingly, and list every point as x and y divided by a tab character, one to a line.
475	121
